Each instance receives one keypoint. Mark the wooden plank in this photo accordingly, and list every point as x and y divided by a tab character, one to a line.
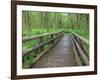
61	55
41	54
84	57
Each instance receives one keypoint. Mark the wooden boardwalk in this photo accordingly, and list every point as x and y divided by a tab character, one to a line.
61	55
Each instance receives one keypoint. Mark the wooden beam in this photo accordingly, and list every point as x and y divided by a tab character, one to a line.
78	61
42	53
40	45
84	57
81	38
24	39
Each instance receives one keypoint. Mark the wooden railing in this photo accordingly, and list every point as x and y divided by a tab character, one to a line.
81	53
52	39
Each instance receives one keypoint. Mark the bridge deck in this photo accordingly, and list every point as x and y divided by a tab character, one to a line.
61	55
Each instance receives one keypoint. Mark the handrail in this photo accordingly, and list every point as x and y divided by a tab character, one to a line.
41	43
38	36
80	50
38	46
81	38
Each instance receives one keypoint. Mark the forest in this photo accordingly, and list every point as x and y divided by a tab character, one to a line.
37	23
41	22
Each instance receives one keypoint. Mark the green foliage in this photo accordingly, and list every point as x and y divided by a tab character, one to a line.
33	32
66	30
29	44
28	60
36	23
37	32
82	33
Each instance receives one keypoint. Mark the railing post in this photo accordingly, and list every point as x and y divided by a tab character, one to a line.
40	41
52	35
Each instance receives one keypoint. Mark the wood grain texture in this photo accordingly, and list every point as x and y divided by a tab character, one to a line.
60	55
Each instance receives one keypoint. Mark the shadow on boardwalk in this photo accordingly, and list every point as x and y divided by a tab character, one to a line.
61	55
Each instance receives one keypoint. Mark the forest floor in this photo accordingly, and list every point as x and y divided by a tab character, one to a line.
61	55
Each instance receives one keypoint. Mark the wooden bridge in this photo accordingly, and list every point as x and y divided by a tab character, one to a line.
63	50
